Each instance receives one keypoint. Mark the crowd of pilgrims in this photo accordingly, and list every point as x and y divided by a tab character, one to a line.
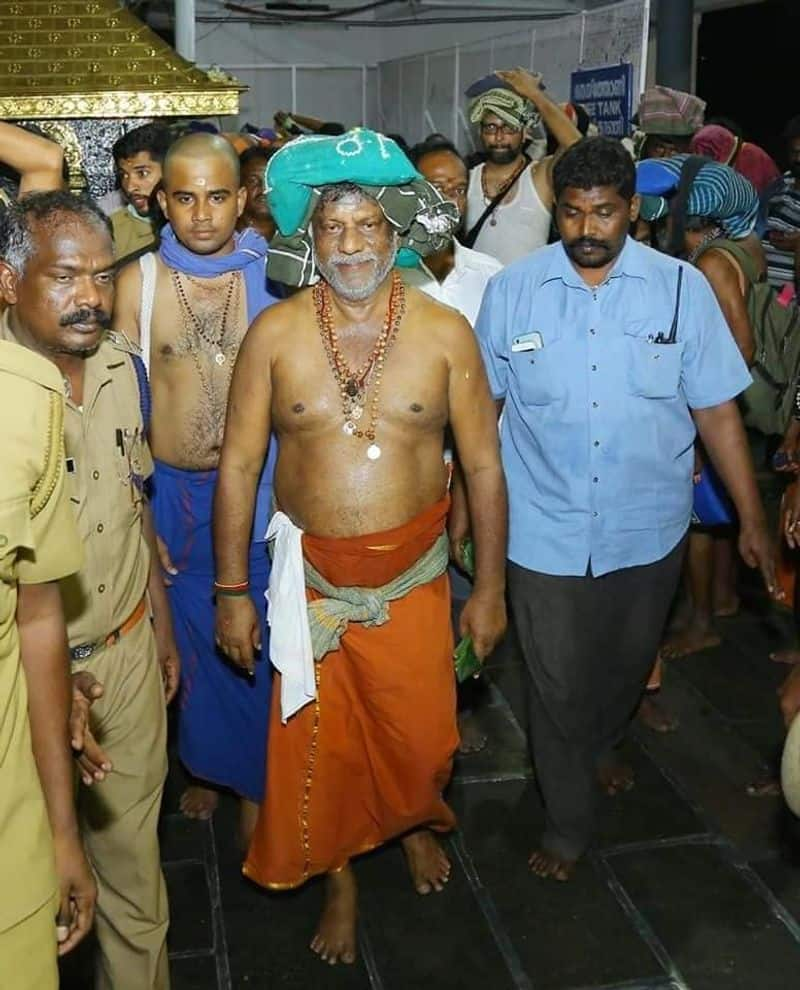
705	195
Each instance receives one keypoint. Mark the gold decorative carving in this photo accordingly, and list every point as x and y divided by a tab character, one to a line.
93	58
119	104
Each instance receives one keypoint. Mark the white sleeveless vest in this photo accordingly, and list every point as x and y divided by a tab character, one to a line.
520	226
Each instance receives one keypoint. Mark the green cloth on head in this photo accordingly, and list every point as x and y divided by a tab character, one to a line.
297	174
509	106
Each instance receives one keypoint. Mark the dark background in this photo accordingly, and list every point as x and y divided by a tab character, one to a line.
749	68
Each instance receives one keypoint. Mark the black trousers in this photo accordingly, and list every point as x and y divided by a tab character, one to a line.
589	644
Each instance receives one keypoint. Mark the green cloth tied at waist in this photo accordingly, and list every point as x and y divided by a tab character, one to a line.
329	617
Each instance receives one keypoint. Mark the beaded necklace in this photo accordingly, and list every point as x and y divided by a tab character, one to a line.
354	384
215	343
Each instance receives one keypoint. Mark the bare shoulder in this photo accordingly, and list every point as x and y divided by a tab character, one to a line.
717	262
282	320
129	277
438	326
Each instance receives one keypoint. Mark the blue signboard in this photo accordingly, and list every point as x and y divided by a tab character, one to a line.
607	95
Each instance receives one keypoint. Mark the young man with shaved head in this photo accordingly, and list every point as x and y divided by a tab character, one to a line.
190	305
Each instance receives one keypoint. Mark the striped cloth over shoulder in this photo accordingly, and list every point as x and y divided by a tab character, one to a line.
783	217
718	192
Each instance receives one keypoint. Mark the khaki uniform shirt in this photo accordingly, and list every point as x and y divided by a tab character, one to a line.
38	543
131	235
108	460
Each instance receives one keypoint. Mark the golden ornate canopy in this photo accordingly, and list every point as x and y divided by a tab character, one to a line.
93	58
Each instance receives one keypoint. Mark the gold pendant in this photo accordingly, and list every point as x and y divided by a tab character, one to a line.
373	452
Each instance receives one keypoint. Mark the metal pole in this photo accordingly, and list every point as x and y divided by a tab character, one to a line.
674	41
184	29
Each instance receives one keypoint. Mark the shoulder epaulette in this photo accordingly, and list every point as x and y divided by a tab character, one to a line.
25	363
122	342
53	458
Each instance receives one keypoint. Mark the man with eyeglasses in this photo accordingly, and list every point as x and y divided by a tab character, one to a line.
510	196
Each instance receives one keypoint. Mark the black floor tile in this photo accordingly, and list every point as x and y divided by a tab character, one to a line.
190	926
451	946
743	653
195	973
267	933
506	752
652	810
720	934
565	935
182	838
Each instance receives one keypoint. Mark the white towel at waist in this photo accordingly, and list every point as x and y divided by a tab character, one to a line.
287	613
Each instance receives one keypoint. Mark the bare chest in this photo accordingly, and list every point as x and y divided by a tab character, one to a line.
199	322
410	395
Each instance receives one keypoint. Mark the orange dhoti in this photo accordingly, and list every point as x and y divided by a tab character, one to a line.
369	759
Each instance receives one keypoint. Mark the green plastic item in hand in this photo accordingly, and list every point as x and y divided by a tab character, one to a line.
467	663
468	556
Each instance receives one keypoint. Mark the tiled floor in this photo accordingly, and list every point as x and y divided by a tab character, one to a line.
691	884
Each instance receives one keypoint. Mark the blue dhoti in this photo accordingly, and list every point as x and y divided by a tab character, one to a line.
223	713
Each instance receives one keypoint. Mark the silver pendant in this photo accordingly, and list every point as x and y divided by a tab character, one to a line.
373	452
349	428
356	412
219	358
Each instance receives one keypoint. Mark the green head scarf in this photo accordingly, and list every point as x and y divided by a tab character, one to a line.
295	178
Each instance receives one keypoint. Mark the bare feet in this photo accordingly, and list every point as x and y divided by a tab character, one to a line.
429	866
766	786
248	816
199	803
615	778
472	739
788	656
724	608
690	640
335	940
550	867
654	716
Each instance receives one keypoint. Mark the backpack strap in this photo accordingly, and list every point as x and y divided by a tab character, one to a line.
680	201
147	266
742	255
145	396
472	235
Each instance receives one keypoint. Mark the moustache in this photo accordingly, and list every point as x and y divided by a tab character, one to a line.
343	260
98	316
589	242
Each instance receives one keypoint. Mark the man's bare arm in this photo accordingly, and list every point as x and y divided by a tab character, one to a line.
724	281
38	160
473	419
247	432
43	652
554	119
721	430
127	294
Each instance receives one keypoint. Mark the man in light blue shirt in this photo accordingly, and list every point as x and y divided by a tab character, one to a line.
606	356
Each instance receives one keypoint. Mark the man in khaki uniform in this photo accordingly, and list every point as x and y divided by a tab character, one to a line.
38	545
56	275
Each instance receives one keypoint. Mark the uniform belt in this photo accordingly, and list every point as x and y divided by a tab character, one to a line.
86	650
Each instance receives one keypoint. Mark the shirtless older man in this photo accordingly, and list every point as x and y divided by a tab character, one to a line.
358	376
190	306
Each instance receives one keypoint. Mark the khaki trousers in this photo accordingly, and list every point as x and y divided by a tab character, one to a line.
119	816
28	951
